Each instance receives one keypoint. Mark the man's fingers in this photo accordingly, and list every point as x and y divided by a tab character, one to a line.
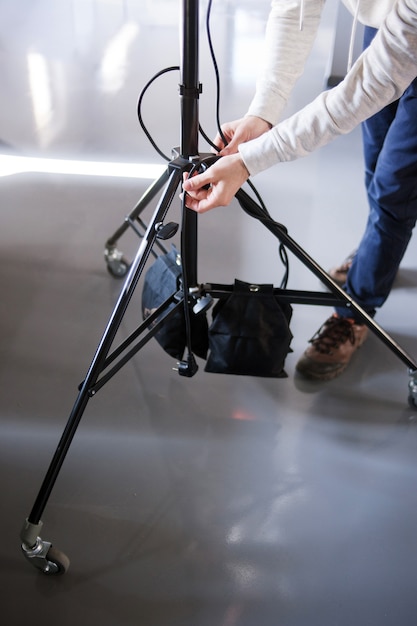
198	194
193	183
218	142
200	206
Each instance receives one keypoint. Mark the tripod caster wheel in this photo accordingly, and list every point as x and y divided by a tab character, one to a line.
118	268
58	562
116	263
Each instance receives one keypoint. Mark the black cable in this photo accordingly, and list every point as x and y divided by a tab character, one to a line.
218	98
139	107
266	217
256	211
216	74
244	199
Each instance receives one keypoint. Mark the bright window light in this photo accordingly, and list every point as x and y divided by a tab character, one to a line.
113	69
40	89
10	165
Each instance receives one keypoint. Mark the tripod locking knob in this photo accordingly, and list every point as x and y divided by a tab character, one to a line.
166	231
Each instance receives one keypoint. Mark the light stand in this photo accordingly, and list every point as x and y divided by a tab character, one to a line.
108	361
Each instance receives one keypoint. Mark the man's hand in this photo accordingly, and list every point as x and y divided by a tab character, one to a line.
240	131
224	178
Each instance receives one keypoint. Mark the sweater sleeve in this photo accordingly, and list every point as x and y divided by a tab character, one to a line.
287	46
380	75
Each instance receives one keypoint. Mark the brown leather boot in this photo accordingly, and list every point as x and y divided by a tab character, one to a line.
339	273
332	348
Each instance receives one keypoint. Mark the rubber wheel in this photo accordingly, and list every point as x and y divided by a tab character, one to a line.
119	269
59	559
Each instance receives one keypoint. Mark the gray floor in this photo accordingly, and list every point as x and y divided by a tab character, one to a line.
215	500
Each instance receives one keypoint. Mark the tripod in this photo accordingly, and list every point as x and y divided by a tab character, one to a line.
108	360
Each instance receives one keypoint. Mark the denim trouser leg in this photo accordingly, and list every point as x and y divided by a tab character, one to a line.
390	152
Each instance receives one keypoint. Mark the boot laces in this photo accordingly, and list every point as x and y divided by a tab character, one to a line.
333	333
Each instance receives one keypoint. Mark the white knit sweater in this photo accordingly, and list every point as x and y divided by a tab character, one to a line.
379	76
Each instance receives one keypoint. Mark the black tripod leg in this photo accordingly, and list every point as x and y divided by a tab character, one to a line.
117	265
347	301
344	299
37	551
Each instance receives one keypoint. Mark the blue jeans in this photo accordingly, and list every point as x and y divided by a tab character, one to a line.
390	154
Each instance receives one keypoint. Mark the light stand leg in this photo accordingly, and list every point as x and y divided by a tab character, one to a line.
37	551
117	265
342	297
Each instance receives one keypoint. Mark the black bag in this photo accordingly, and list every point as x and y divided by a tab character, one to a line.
250	333
162	280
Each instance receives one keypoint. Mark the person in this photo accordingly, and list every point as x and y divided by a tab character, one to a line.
379	91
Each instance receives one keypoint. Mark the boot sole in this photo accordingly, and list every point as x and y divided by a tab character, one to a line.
331	374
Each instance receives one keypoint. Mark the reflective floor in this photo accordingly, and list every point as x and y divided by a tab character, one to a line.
214	500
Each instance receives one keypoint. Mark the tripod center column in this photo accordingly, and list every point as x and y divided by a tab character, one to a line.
190	87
